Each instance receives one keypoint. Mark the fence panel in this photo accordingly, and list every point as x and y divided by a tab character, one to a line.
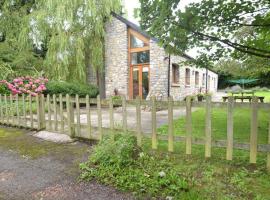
208	131
254	130
19	111
138	121
188	126
154	123
229	152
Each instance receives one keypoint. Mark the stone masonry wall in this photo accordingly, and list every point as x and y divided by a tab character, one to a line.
158	72
181	90
116	58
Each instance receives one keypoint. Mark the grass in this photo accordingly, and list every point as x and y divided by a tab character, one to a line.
265	94
219	124
33	148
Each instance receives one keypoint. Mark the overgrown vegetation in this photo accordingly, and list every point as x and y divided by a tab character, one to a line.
159	175
123	164
61	87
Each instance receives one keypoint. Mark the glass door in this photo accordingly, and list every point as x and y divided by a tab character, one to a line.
135	82
140	81
145	81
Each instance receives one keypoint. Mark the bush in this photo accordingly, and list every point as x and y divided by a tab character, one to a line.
61	87
4	89
121	163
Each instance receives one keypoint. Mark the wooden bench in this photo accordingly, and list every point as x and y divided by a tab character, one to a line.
242	98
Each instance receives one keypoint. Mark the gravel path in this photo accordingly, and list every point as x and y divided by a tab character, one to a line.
53	176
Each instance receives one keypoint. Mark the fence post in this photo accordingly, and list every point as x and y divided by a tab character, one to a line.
88	115
78	112
12	110
49	111
55	118
268	153
188	126
99	118
124	110
154	122
170	124
43	120
254	130
38	112
208	128
138	121
6	110
61	114
1	108
70	116
17	110
24	108
229	152
31	112
111	113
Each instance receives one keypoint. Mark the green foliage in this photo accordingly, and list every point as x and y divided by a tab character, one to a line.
61	87
215	27
17	59
73	33
4	89
121	163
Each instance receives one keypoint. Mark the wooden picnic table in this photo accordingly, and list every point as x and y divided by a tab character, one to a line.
244	95
242	98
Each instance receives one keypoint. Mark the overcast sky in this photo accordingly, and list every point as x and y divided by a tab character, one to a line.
131	4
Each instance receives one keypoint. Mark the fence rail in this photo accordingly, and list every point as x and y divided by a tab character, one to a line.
63	114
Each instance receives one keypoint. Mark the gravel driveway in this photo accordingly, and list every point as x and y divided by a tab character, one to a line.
51	172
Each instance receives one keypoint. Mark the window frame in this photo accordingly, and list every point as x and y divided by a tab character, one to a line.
187	78
175	74
197	78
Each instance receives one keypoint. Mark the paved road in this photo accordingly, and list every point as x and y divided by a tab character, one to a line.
53	176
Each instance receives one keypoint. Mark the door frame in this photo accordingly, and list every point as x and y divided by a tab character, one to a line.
140	67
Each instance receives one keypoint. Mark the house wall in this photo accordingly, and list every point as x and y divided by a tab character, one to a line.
158	71
181	90
116	58
117	68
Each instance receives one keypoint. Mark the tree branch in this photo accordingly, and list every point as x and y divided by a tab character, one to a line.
239	47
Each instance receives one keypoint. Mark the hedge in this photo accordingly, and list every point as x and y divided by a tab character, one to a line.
61	87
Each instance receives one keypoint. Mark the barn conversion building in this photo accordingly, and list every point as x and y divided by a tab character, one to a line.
135	65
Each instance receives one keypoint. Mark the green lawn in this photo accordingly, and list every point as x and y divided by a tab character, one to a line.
264	94
219	124
217	178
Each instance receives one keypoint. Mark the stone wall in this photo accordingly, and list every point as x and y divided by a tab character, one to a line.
181	90
117	68
158	71
116	58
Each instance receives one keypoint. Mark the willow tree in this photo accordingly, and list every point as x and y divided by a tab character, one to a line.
14	59
73	33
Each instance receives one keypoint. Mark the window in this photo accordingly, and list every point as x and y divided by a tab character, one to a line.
203	79
175	74
208	81
140	57
136	42
187	76
197	78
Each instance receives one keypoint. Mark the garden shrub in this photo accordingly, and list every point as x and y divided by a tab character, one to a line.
121	163
4	89
61	87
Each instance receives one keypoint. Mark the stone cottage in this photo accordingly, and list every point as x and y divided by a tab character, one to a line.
135	65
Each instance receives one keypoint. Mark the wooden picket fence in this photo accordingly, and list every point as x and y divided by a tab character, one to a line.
63	114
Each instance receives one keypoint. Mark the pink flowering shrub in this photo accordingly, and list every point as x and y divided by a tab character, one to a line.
26	85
